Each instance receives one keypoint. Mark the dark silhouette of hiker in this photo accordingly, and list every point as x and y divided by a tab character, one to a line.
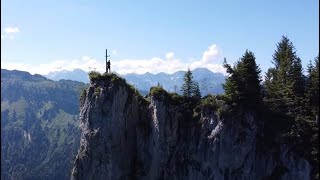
109	64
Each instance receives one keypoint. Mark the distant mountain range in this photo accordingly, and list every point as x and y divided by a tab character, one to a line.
209	82
75	75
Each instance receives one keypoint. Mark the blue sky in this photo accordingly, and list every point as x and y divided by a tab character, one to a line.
156	35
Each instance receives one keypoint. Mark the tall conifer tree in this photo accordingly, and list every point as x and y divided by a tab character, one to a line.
285	82
243	85
190	88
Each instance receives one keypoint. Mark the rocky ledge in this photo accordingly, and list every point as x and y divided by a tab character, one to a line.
127	136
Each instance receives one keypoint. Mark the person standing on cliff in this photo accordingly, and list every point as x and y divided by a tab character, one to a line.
108	65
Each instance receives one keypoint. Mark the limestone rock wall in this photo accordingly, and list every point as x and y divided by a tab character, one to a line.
124	137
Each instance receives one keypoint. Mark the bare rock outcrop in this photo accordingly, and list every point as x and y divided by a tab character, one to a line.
125	136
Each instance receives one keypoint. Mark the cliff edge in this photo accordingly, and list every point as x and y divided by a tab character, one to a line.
163	136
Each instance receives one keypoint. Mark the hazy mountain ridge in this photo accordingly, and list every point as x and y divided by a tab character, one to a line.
75	75
209	82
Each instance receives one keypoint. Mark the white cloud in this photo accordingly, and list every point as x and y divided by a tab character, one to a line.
169	64
9	30
170	55
15	66
209	58
85	63
210	55
153	65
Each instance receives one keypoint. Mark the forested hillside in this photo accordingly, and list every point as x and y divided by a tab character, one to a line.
39	126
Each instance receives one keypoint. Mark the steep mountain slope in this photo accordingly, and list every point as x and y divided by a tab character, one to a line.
125	136
39	126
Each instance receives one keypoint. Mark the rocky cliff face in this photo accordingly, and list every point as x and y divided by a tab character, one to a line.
125	136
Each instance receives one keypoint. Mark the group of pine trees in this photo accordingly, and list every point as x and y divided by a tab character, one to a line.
286	88
287	91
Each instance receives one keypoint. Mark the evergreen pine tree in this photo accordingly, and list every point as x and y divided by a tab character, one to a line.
196	91
298	83
187	85
312	90
271	88
243	85
190	88
285	82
